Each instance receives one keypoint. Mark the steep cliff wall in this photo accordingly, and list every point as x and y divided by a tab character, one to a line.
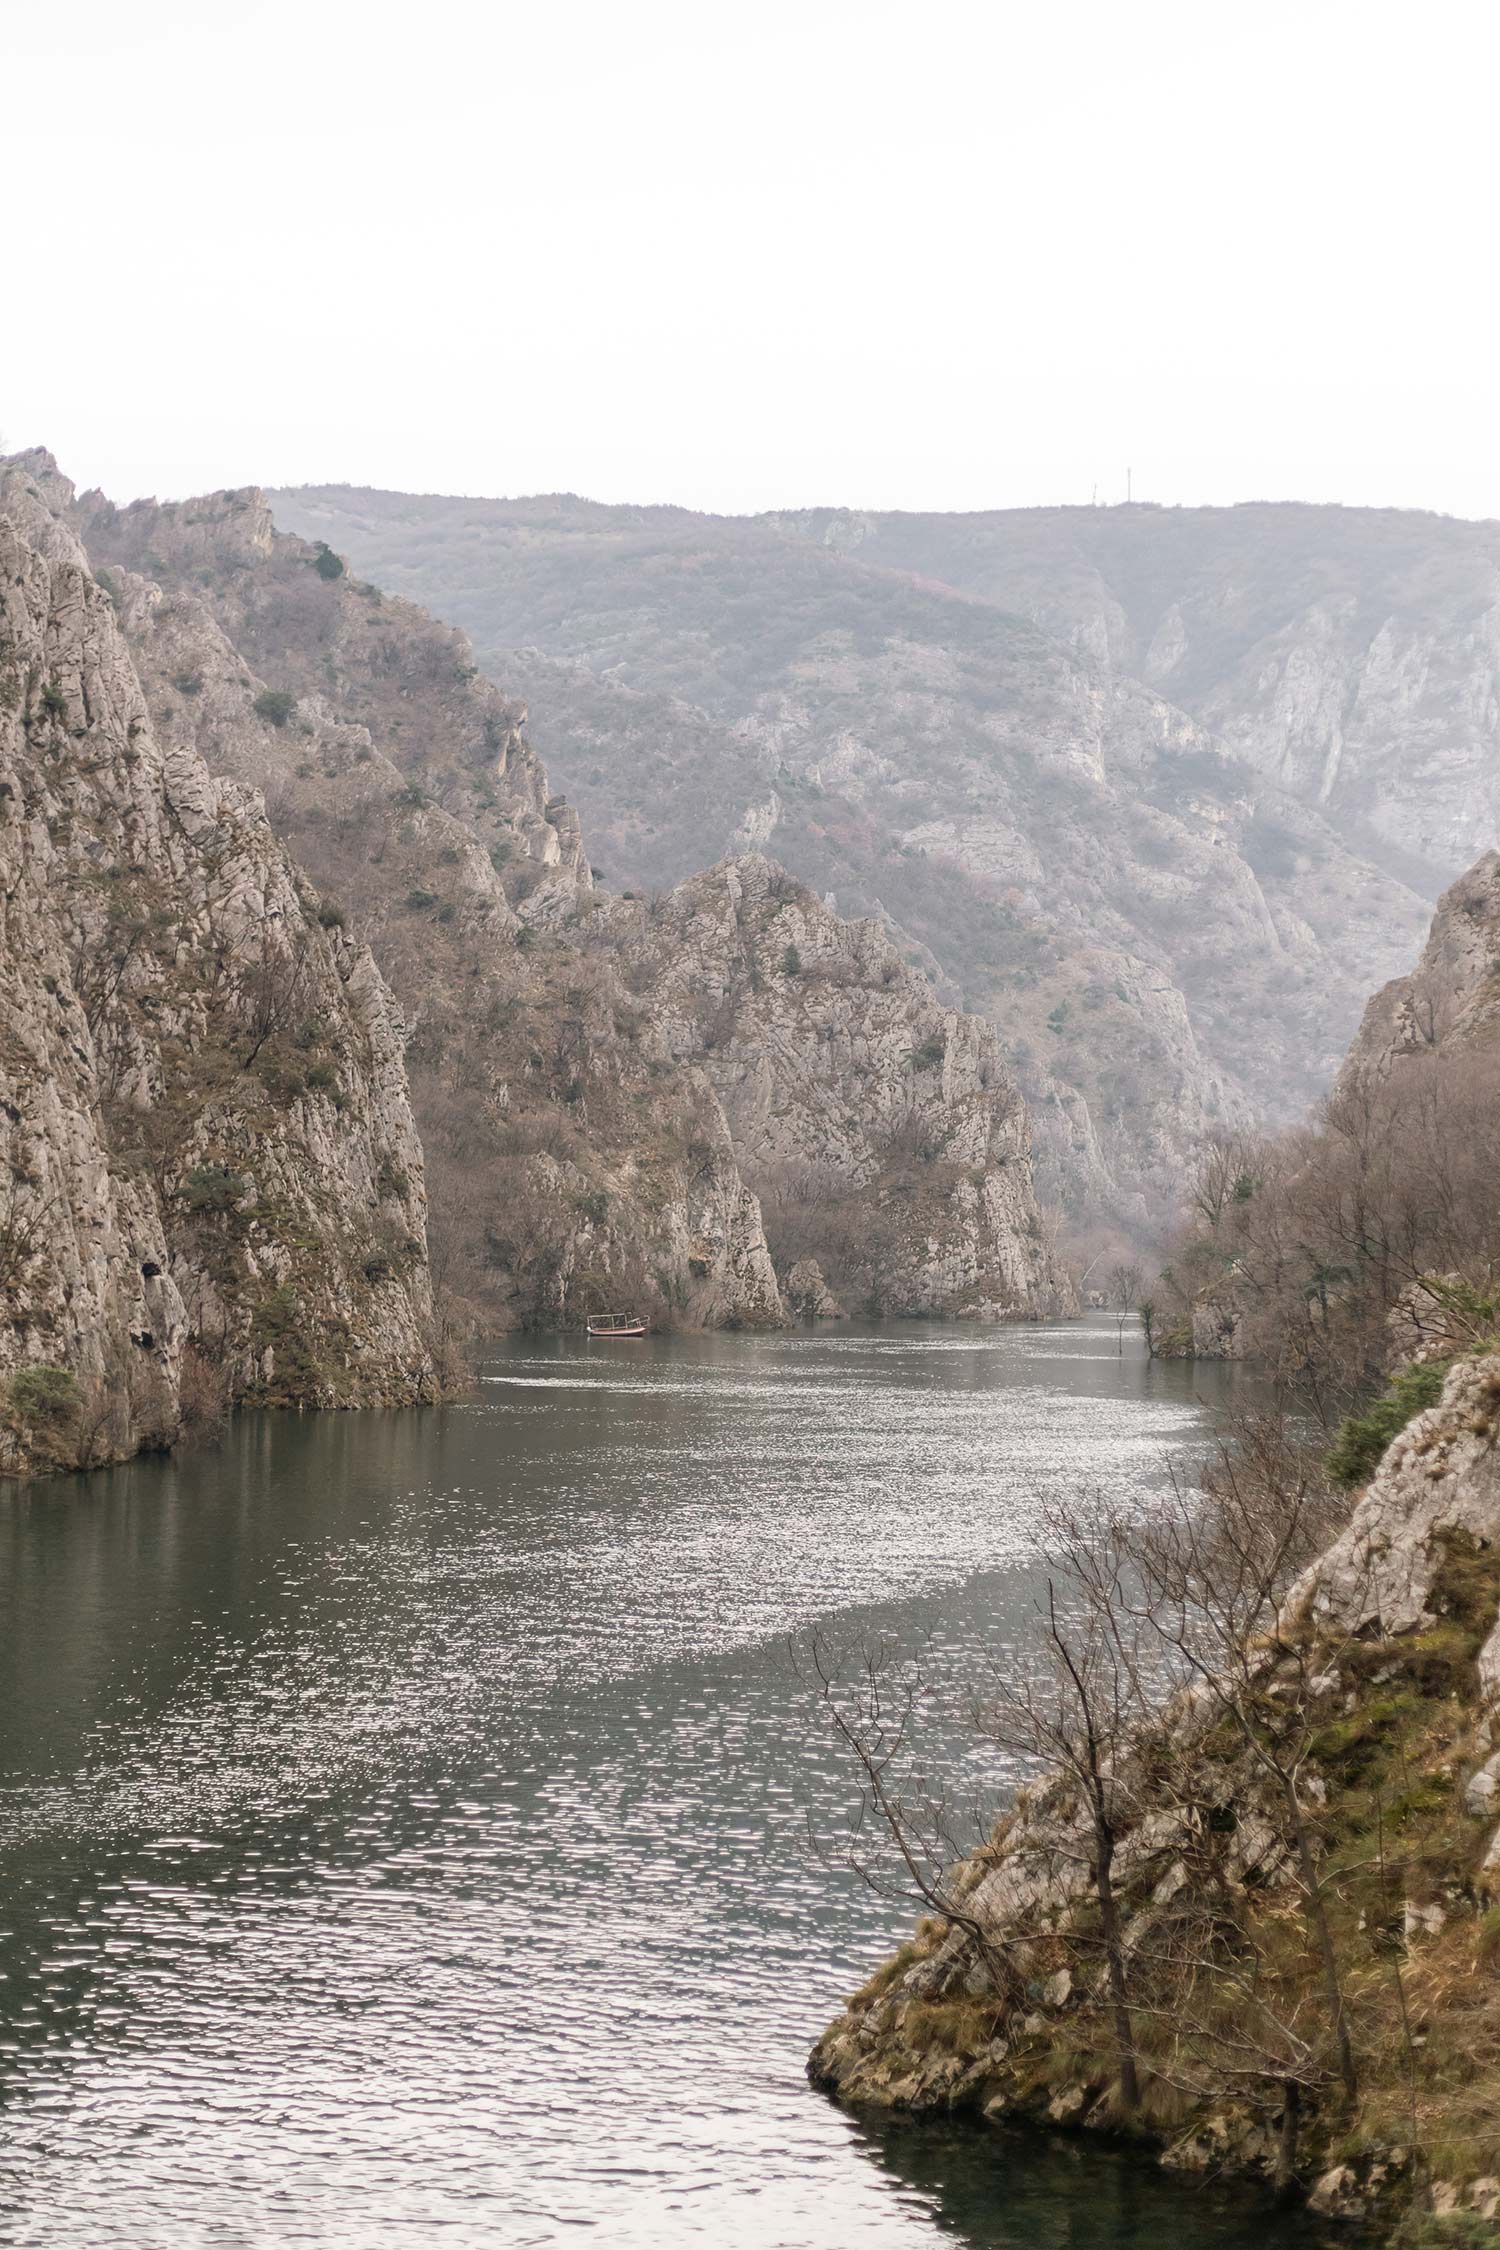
1363	1726
880	1130
310	631
212	1185
570	1164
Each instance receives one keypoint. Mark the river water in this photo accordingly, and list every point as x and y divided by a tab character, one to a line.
406	1820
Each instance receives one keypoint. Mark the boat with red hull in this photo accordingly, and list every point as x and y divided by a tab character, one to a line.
610	1328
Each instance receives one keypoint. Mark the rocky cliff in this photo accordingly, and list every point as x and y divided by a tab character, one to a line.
1078	761
881	1131
213	1189
311	633
577	1144
1351	656
1314	1250
1324	1807
1450	1002
570	1164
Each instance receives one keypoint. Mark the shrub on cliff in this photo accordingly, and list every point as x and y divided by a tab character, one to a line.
1452	2230
44	1395
1363	1438
274	706
212	1187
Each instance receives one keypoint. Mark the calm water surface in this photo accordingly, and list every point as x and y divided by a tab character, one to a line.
404	1817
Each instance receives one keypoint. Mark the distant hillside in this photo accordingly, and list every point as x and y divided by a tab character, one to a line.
1163	793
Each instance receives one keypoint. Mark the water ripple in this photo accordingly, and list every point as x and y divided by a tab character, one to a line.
403	1817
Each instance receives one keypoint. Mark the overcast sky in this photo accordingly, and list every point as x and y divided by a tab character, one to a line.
928	255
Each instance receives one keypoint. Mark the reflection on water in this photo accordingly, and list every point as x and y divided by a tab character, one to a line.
403	1817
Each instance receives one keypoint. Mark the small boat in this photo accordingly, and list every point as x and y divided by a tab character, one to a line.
610	1326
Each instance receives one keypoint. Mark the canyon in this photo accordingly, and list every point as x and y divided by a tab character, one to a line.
568	1099
1163	793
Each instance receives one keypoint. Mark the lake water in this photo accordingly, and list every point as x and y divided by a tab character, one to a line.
405	1818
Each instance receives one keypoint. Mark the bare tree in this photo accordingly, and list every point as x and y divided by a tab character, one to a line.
1215	1565
1075	1706
1069	1705
871	1698
1168	1681
1124	1285
274	994
1314	1236
1226	1163
27	1215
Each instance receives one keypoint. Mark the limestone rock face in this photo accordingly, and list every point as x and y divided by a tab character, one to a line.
1450	1002
1399	1615
881	1131
1440	1476
1217	1325
1422	1324
310	632
1351	656
808	1295
211	1173
573	1164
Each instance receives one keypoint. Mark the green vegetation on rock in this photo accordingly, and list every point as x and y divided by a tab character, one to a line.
1363	1438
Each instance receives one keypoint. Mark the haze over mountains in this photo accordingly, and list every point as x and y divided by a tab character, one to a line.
701	988
1165	793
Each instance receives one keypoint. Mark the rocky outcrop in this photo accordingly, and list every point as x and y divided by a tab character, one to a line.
315	636
571	1163
808	1295
881	1131
1450	1002
1378	1693
212	1188
1439	1483
1426	1323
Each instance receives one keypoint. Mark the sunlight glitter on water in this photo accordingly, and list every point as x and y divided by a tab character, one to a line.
404	1818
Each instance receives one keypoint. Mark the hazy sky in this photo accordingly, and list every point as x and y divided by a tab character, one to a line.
917	255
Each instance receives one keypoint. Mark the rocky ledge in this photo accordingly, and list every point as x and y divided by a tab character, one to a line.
1356	1778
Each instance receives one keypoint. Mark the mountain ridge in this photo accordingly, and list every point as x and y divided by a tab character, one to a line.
967	755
